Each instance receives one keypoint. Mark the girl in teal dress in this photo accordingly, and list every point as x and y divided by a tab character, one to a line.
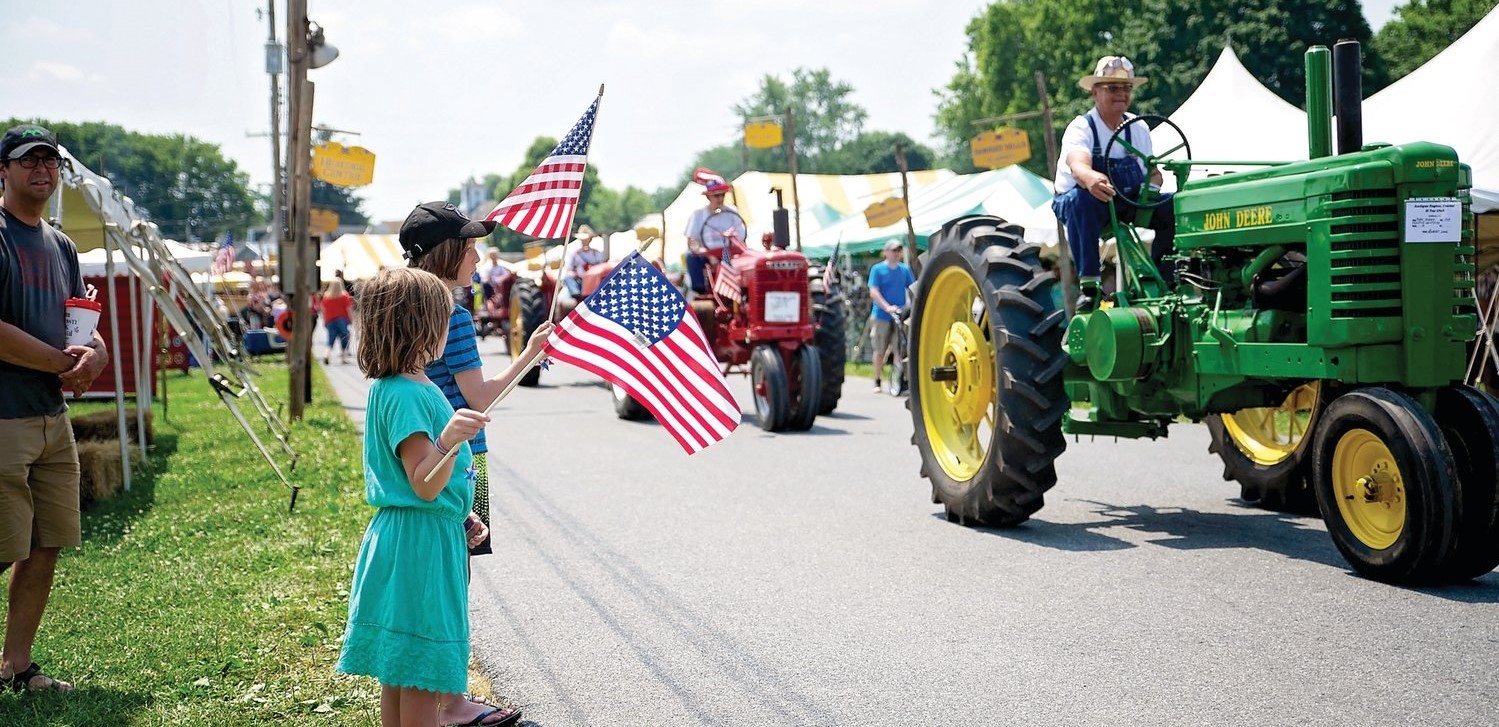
408	606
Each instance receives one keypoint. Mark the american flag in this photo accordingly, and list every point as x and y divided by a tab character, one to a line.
543	205
726	283
223	262
637	332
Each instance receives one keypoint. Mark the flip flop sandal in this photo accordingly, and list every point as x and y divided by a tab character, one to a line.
510	716
21	682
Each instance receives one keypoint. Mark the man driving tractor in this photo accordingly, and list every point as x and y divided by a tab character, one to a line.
711	228
1086	181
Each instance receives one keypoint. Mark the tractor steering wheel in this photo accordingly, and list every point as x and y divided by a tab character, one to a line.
1151	162
725	225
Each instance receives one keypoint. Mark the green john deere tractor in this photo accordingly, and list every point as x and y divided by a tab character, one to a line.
1315	318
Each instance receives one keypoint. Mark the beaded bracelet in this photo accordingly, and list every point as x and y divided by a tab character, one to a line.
440	449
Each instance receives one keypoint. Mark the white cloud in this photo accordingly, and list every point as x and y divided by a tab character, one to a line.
51	71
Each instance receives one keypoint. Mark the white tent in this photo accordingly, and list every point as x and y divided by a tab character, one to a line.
1450	100
194	261
1233	117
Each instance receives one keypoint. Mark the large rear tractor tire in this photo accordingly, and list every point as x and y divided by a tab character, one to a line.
832	344
985	366
1266	449
1469	420
1387	485
528	308
769	387
805	385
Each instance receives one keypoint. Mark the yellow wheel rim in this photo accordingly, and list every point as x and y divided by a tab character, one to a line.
1370	491
517	326
1269	435
959	408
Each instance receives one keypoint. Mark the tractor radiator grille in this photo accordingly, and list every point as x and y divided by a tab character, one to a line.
1364	264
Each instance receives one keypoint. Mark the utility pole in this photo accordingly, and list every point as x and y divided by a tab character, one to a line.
299	144
275	62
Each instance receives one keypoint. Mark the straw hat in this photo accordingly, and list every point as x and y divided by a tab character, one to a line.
1112	69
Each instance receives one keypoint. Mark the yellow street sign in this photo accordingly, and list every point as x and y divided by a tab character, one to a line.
645	233
1000	148
762	134
345	166
887	212
321	222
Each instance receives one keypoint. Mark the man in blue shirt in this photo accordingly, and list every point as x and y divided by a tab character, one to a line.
888	281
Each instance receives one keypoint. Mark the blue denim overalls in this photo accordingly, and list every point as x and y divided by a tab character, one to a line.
1084	216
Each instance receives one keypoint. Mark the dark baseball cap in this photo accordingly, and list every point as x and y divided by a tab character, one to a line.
433	223
21	139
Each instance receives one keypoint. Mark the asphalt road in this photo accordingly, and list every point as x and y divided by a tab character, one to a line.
806	579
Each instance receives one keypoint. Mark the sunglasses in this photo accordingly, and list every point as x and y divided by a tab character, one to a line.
1116	87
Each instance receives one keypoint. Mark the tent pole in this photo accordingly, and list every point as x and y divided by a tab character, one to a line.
135	351
905	198
114	335
1064	255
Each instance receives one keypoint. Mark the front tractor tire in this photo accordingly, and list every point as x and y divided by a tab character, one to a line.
1387	485
985	363
1266	450
625	406
528	308
768	384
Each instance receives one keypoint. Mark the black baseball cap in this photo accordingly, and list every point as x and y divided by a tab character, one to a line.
21	139
433	223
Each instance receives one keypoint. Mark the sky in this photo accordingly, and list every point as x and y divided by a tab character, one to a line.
443	90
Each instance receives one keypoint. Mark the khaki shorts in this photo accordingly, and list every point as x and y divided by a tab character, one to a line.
38	486
882	339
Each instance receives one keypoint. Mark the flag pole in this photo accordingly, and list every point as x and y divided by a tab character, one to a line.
530	363
573	215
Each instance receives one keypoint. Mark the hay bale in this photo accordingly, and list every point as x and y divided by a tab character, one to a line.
99	472
104	425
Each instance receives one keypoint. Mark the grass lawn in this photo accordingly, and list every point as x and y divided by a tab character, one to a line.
197	599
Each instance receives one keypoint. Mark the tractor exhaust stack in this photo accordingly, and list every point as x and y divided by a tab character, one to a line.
1318	102
1348	90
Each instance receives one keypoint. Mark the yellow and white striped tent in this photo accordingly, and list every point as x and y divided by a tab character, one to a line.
825	199
361	256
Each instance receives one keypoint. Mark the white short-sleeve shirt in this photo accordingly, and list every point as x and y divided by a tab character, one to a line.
1078	137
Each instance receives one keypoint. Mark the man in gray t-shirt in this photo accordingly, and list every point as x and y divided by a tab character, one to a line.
38	460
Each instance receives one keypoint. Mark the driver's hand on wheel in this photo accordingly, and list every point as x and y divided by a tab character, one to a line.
1100	188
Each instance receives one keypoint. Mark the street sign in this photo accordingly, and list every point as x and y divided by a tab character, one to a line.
321	222
344	166
762	134
1000	148
886	212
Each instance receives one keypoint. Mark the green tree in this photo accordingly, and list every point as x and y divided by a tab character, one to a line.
342	200
183	184
1173	42
872	152
1423	28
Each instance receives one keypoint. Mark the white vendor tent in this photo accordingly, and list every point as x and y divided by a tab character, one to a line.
192	260
1451	100
1013	193
1233	117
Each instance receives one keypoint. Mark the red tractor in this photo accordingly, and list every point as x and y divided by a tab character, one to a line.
786	326
524	299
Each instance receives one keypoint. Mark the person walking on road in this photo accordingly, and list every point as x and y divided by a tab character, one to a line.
889	280
39	463
338	308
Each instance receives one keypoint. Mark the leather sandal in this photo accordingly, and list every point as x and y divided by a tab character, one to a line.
21	681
